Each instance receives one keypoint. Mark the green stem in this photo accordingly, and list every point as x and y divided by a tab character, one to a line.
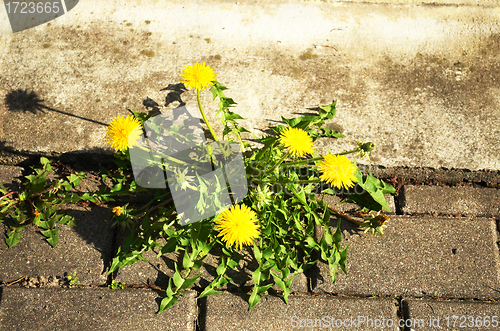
152	201
204	117
212	132
349	152
317	158
307	181
278	163
241	141
303	161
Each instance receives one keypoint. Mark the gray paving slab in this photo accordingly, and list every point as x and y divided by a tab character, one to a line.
426	314
462	200
93	309
62	82
84	248
158	270
230	312
419	256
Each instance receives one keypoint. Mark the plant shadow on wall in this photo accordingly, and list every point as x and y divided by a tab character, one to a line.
22	100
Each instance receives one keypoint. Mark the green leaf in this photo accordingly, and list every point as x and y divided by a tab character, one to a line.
343	257
187	262
375	188
331	133
268	252
330	110
221	268
257	295
327	236
207	291
189	282
311	243
256	251
232	263
74	179
46	164
13	236
337	235
67	219
169	247
177	278
261	274
169	290
116	261
167	302
51	235
333	271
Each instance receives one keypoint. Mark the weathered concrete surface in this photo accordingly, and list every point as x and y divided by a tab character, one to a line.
419	256
230	312
92	309
419	81
443	199
431	314
84	248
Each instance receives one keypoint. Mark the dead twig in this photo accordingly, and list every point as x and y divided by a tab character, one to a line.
339	213
16	281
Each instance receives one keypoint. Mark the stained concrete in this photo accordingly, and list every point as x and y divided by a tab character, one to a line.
419	81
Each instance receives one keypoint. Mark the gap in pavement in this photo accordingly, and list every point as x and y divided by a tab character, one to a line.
397	176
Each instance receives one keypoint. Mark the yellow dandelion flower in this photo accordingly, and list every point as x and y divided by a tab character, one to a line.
297	141
117	211
124	132
237	226
198	75
337	170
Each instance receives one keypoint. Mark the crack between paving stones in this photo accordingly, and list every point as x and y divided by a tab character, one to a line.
400	312
200	323
114	250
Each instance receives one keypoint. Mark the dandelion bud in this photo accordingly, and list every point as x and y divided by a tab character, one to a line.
367	147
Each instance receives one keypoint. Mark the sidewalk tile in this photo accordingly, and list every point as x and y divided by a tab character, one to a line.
93	309
84	248
426	314
418	256
450	200
230	312
158	270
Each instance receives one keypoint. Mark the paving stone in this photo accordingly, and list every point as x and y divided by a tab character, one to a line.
84	248
92	309
10	176
230	312
418	256
426	314
158	270
450	200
